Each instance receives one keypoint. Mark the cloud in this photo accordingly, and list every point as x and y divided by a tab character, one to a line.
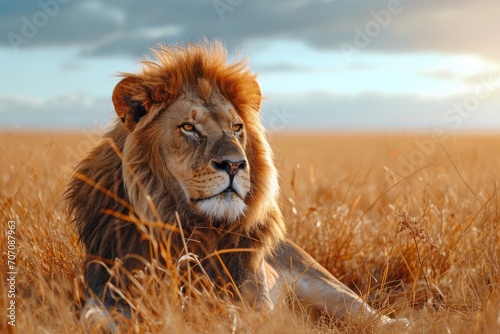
128	27
314	111
439	74
284	67
323	111
63	112
72	65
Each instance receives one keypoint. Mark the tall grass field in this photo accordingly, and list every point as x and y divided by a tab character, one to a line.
409	223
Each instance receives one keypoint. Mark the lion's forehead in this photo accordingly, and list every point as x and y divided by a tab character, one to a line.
218	114
217	108
222	114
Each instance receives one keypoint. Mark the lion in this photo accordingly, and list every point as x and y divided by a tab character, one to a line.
189	146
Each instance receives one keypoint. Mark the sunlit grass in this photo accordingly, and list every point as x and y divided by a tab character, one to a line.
341	204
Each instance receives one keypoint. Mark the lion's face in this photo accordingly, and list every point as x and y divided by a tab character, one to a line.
203	149
194	142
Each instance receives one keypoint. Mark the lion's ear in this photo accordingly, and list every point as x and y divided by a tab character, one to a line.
256	95
129	110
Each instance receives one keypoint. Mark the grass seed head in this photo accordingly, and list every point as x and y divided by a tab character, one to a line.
413	227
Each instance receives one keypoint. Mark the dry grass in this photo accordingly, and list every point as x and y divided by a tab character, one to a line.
345	205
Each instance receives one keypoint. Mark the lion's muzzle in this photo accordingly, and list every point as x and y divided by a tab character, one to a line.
226	199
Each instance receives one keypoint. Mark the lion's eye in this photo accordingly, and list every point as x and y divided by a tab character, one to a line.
237	128
189	130
187	127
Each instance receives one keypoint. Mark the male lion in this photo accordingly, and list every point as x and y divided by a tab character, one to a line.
189	147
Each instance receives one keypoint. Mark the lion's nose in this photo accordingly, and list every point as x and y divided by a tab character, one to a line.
231	167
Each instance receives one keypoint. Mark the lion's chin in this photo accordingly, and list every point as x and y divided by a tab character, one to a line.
225	206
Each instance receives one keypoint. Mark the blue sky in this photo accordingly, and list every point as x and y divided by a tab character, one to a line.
322	65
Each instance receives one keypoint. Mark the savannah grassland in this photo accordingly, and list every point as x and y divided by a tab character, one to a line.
341	198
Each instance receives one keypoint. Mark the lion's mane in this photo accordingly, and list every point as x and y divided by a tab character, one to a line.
105	207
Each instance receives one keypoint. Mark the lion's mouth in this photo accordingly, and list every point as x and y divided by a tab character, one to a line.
224	192
229	190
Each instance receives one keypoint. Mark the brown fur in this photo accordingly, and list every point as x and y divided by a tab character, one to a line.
106	206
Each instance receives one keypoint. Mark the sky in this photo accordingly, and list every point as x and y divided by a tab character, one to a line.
323	65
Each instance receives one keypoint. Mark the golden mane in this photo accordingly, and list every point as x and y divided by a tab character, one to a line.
199	66
106	208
